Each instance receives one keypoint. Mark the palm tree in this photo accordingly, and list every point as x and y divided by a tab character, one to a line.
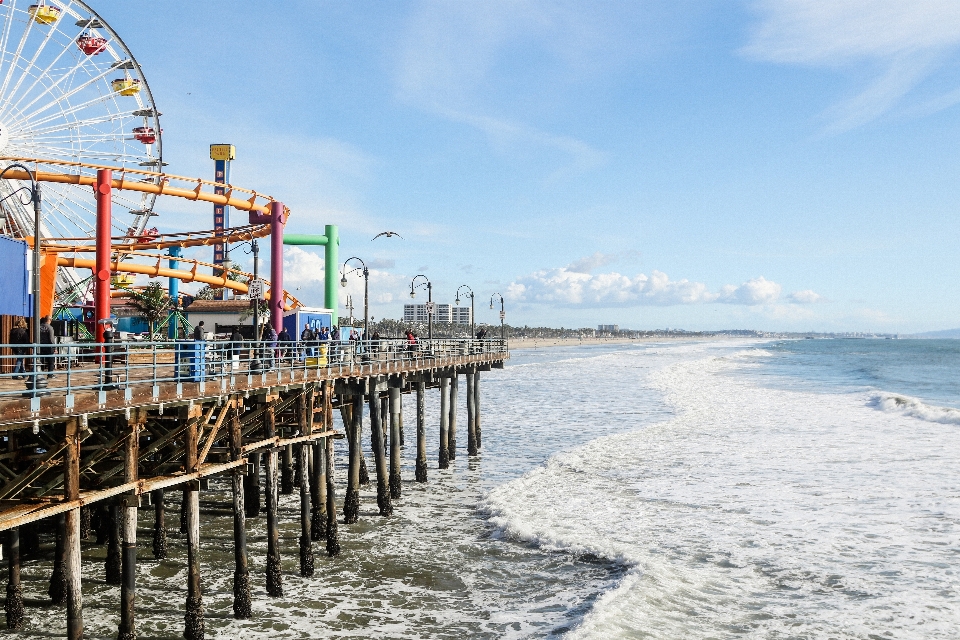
153	303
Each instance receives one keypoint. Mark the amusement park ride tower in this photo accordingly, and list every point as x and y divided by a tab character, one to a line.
221	154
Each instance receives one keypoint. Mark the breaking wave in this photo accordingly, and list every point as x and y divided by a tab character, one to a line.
915	408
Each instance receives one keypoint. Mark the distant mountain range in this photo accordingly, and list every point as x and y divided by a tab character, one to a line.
945	334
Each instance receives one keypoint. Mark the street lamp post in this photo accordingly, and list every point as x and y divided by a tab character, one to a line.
413	294
34	197
473	318
503	314
366	290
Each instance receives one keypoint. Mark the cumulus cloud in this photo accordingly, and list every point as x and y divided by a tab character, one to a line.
807	296
566	287
905	41
591	263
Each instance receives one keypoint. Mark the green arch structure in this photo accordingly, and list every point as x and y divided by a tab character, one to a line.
330	241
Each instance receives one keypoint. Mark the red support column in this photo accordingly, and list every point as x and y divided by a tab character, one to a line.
277	220
101	273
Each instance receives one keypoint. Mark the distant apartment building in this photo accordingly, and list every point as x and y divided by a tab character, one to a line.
442	313
608	327
460	315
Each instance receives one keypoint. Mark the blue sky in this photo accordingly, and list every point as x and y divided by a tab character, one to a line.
782	165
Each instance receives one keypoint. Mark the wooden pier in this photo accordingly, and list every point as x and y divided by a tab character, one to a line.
88	456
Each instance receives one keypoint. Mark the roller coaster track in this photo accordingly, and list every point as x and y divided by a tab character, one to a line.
161	184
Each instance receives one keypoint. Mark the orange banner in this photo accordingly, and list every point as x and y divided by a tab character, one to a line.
48	281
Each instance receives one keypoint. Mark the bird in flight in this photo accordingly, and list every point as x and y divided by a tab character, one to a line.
389	234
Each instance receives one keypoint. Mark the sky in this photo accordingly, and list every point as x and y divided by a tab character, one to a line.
762	164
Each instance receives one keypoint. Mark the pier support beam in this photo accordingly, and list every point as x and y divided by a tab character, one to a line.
58	579
379	455
159	525
351	502
333	539
476	407
471	415
286	473
14	602
194	625
251	488
394	407
421	469
454	382
128	587
318	491
306	546
71	529
113	565
242	608
274	577
444	422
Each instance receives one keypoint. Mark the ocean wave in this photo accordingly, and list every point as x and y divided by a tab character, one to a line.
914	407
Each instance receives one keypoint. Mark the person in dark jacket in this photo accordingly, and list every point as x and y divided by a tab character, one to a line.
20	336
236	347
269	338
284	340
46	352
198	331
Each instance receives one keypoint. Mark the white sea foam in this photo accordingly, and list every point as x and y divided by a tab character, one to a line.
757	512
905	405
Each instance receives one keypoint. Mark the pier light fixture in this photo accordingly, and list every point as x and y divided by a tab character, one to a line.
31	195
413	294
473	319
366	289
503	314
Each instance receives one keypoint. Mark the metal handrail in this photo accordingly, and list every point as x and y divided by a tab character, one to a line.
68	368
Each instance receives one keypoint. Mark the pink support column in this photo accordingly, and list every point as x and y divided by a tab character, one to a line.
277	220
101	275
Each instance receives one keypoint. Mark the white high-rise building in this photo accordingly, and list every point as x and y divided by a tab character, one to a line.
418	312
460	315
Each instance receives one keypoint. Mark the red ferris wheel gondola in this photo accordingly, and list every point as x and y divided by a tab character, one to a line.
91	44
146	135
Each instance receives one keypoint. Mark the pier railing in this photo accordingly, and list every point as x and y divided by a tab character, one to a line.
66	368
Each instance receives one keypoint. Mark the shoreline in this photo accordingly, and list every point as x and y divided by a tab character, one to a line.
537	343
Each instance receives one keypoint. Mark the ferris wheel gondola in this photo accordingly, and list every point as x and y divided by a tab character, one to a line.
71	90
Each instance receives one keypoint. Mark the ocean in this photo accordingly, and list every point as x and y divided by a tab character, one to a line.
727	489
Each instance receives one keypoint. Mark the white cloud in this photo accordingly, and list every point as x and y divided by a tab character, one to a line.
907	41
807	296
591	263
303	276
566	287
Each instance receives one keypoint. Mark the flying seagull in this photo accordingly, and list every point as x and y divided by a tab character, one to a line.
389	234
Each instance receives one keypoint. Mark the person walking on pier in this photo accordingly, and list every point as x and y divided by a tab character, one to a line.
306	338
19	336
236	348
46	338
198	331
269	337
285	351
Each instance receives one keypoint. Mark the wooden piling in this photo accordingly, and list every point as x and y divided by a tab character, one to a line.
286	473
274	577
476	408
71	529
13	606
85	513
242	606
318	492
251	487
194	624
394	409
385	421
58	579
444	422
113	565
379	455
333	539
306	546
351	502
421	469
452	444
471	416
128	587
159	525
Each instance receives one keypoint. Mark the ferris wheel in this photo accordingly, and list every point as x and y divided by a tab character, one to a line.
71	90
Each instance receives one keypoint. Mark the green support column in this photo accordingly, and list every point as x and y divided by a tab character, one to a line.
331	263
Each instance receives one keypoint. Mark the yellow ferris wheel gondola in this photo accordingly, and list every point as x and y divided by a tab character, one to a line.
44	13
126	86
